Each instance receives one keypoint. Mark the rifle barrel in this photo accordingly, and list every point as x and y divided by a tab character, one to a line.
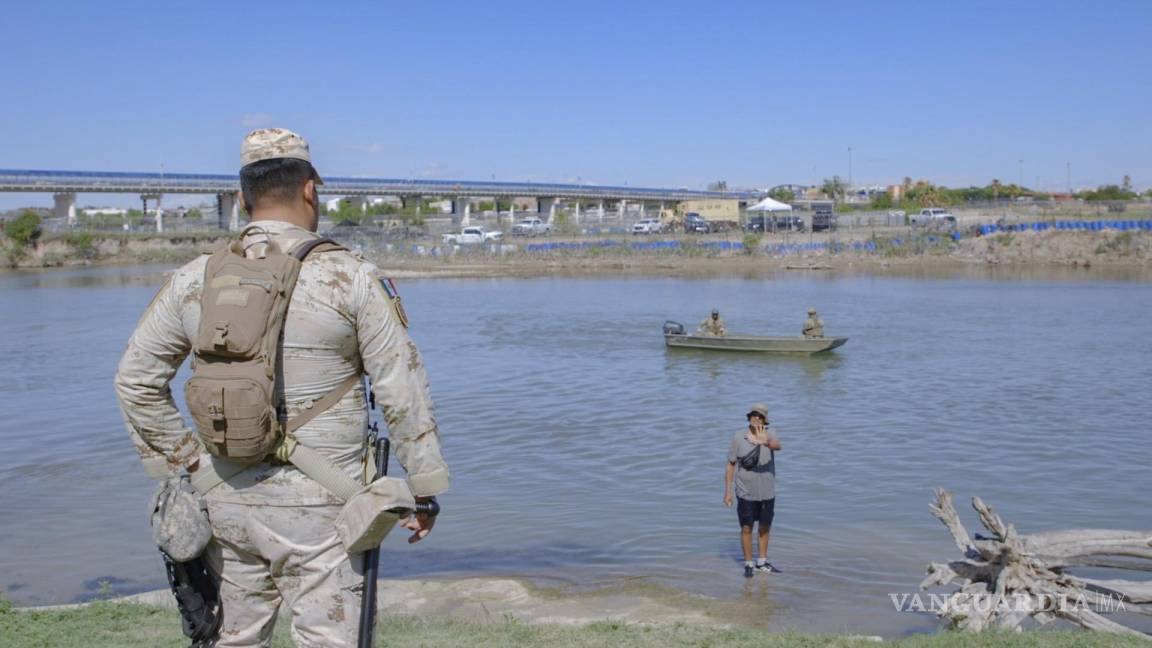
372	563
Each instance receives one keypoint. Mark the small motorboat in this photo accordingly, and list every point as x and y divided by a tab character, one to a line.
676	337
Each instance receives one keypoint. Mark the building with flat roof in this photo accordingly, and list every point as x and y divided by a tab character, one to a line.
722	210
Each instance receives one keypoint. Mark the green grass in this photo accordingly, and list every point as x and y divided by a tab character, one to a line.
124	625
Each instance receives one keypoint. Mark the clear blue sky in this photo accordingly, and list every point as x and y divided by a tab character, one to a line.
661	93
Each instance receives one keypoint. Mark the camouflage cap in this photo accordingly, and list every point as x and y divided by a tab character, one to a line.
759	408
180	519
811	311
271	143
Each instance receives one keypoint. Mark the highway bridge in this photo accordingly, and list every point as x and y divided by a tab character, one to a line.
64	185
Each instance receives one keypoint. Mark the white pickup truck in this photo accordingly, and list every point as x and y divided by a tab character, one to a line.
473	236
932	216
531	227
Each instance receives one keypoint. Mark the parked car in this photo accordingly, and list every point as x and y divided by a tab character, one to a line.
823	219
695	223
531	227
932	215
473	236
774	223
647	226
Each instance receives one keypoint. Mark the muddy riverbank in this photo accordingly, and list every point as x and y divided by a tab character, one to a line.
1109	253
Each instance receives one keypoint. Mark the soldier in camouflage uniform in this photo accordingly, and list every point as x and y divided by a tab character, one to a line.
273	526
713	325
813	326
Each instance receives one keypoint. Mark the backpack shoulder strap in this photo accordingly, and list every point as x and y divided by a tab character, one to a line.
315	245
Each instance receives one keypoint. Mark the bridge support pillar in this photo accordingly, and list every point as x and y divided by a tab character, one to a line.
552	205
623	210
576	213
412	201
601	210
463	207
229	211
64	206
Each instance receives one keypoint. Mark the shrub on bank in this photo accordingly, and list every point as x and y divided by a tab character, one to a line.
24	230
81	244
752	243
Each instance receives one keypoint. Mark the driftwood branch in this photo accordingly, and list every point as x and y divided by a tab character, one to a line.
1008	578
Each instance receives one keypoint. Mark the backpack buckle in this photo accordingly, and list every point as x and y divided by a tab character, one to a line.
218	339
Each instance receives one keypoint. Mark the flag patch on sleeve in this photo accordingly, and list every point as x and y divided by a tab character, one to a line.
394	298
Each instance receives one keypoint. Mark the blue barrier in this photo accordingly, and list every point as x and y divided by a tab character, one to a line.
1069	226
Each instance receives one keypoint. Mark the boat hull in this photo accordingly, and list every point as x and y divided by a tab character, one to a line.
755	343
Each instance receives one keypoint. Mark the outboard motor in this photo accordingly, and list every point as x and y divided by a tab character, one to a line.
673	328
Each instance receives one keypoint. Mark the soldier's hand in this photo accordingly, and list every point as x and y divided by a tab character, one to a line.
727	499
420	523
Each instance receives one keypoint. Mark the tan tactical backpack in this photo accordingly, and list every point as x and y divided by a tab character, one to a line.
232	394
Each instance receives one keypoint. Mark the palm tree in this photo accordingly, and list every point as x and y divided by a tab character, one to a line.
834	188
925	194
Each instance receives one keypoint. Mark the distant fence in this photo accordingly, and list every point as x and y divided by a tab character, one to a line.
772	249
913	241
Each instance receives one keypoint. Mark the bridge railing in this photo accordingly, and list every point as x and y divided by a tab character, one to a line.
126	182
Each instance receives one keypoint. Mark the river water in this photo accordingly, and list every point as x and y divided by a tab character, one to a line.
586	455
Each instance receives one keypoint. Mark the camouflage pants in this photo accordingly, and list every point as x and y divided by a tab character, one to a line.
269	554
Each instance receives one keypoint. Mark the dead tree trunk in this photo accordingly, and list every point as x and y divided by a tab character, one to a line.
1008	578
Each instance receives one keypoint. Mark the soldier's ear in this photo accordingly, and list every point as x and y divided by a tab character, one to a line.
310	196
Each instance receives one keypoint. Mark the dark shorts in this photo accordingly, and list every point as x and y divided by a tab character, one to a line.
761	511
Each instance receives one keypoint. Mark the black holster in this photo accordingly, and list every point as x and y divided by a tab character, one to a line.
197	592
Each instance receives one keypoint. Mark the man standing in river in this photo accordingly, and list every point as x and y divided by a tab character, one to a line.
752	466
273	526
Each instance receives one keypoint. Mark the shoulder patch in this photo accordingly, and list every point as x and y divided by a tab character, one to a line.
394	298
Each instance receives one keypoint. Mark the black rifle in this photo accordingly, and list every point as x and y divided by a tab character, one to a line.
197	592
372	556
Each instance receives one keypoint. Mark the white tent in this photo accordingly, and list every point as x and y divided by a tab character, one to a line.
769	205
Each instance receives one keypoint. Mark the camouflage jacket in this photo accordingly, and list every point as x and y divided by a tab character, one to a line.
712	327
813	327
342	320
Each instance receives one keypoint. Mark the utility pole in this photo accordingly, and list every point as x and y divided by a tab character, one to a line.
849	168
1020	182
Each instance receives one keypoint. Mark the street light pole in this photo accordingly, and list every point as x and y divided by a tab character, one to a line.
849	167
1021	179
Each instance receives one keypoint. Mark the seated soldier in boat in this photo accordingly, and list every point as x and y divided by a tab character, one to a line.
813	326
713	325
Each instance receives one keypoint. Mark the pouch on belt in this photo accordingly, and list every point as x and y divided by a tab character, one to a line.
369	515
180	519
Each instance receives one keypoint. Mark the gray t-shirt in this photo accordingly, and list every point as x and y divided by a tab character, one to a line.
760	482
